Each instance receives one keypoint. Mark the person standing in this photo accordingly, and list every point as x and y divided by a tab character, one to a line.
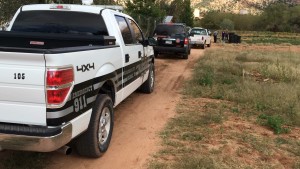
215	36
223	36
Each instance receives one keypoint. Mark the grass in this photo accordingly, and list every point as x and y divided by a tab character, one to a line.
17	160
264	81
239	110
270	37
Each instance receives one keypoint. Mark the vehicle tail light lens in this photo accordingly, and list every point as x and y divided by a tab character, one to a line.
202	38
57	96
59	77
59	83
186	41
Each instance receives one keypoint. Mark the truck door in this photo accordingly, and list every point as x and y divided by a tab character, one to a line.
138	39
133	53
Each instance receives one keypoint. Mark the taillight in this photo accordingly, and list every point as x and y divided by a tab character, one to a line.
56	77
59	83
202	38
186	41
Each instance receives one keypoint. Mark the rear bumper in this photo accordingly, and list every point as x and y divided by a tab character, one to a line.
41	140
164	49
197	42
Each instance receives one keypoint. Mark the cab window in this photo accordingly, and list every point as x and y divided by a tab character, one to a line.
124	28
138	36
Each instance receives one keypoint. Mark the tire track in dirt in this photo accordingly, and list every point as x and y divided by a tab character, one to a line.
138	121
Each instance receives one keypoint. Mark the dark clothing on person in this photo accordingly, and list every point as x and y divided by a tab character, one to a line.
223	36
215	36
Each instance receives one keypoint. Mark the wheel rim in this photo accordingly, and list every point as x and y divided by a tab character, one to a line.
104	126
152	78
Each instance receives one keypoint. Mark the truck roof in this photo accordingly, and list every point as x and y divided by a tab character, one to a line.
66	7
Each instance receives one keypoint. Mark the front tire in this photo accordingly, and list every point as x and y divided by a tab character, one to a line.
95	141
148	85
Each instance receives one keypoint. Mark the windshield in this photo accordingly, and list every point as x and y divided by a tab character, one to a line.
169	30
60	22
198	32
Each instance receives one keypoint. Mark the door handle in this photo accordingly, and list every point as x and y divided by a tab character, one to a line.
140	54
127	58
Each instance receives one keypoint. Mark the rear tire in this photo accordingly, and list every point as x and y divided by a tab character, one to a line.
155	54
148	85
208	45
203	46
185	56
95	141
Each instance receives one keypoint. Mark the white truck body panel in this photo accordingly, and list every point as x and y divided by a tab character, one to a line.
23	100
23	113
81	123
22	75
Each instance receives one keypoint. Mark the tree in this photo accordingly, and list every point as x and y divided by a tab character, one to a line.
187	14
181	11
146	12
227	24
275	18
143	7
105	2
8	8
294	19
211	20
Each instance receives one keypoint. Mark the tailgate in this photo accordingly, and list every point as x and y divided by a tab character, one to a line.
170	41
22	99
196	38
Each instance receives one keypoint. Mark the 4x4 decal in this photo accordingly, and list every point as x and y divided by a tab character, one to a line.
85	68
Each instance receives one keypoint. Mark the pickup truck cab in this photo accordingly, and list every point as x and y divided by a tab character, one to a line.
200	37
63	69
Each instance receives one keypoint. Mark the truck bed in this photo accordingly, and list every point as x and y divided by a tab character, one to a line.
30	40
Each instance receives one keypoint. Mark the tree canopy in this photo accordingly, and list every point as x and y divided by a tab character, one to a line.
283	17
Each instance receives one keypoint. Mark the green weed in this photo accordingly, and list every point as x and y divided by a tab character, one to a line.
274	122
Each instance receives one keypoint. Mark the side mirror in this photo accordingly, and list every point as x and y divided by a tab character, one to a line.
152	41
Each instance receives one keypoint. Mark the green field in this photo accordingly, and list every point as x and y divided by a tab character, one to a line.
270	37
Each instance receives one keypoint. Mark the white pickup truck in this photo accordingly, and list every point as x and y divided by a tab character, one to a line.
63	68
200	37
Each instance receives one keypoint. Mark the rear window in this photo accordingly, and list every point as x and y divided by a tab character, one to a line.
198	32
60	22
169	30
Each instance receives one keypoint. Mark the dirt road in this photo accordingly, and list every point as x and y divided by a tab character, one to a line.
138	120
